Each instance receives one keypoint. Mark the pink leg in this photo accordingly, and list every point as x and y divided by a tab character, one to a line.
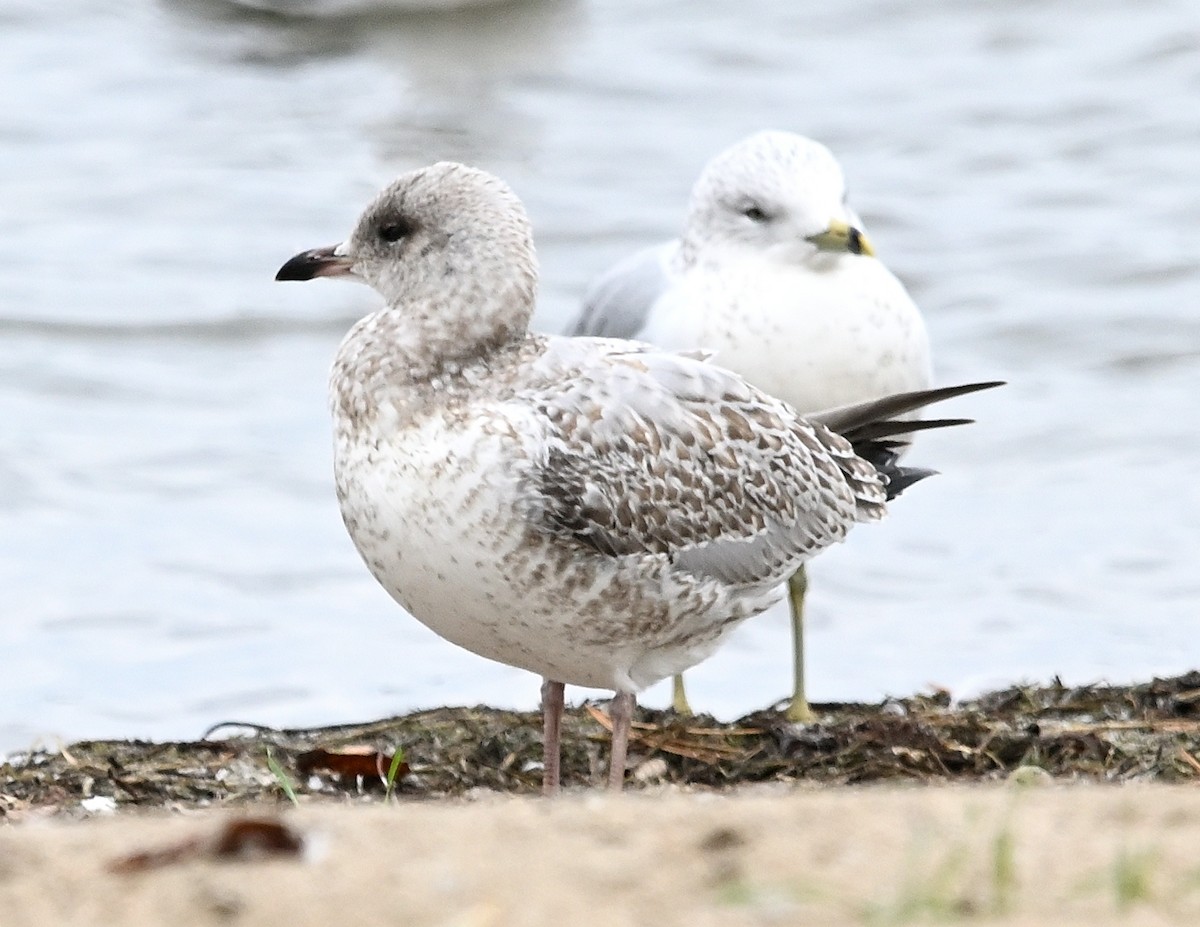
620	709
552	712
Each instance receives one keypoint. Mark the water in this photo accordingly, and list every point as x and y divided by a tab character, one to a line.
170	550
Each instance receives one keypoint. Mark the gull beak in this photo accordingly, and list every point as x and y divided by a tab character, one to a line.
319	262
841	237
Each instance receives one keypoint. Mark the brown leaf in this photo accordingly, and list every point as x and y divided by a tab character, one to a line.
349	762
143	860
237	839
250	838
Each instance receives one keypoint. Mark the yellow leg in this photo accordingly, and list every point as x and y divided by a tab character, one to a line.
679	700
798	710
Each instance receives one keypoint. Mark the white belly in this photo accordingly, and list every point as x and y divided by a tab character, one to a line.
437	518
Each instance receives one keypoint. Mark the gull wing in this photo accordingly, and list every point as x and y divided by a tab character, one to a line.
618	303
646	453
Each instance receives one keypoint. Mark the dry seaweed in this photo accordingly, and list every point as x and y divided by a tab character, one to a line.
1106	733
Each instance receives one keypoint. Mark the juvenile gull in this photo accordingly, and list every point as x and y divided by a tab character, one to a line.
774	275
592	510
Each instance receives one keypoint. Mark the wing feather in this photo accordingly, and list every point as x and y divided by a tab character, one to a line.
618	304
653	453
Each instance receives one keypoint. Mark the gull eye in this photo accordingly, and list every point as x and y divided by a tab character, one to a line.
394	231
755	213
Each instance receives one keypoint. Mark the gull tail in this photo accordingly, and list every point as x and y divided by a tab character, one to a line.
877	431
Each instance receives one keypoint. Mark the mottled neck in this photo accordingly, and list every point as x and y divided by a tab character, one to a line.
400	363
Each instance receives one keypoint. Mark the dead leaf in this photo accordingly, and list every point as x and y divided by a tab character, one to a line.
237	839
143	860
349	762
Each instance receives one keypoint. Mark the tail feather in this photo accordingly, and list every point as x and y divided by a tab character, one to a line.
900	478
890	428
846	420
876	433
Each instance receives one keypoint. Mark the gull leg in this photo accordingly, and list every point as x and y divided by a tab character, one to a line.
798	709
552	712
679	700
621	712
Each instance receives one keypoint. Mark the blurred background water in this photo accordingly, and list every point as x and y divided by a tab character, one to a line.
170	550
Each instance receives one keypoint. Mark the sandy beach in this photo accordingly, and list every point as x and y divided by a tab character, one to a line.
1002	854
1031	805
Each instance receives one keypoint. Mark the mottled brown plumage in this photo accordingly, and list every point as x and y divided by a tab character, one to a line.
592	510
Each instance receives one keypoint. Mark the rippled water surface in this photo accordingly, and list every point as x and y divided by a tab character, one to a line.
170	550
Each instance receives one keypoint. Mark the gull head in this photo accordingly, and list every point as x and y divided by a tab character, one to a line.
777	195
446	246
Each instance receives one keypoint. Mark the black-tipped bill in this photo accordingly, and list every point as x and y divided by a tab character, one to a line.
319	262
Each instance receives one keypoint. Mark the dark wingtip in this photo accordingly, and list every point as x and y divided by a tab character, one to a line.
847	420
900	478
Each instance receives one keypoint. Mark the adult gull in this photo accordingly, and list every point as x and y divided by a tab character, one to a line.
774	274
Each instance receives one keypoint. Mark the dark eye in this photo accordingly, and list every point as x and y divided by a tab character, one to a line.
755	214
394	231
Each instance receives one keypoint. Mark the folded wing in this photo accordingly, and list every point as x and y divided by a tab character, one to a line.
646	453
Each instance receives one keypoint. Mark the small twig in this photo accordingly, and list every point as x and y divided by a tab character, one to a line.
1163	726
1190	760
657	738
602	718
250	725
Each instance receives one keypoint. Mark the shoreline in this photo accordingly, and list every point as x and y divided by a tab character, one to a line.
1146	732
1031	805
